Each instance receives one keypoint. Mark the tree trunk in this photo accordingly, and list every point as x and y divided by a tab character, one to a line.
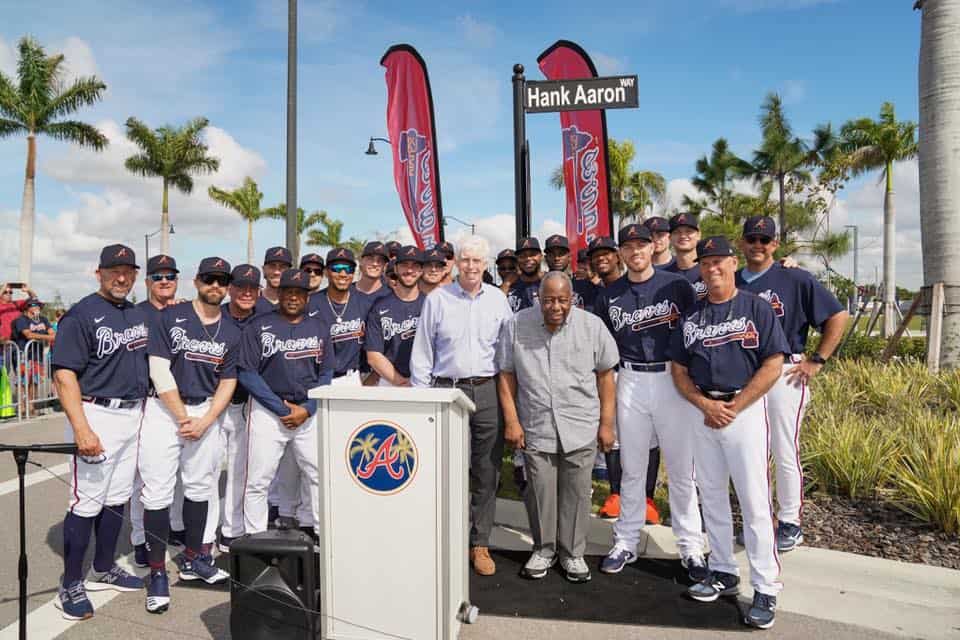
165	221
890	318
939	98
28	211
783	209
249	241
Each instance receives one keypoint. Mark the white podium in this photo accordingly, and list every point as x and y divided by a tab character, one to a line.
394	512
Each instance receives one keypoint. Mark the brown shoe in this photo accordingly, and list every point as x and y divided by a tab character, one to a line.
482	563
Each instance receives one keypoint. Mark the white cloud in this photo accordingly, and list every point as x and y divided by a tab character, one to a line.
793	91
608	65
477	32
79	61
8	59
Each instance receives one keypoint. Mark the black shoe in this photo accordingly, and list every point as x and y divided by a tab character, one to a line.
697	568
272	514
224	544
310	531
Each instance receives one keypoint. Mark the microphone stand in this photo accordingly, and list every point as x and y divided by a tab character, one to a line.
20	455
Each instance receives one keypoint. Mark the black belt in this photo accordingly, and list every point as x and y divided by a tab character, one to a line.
456	382
722	396
112	403
238	402
192	402
647	367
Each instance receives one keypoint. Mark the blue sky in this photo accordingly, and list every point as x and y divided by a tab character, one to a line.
704	67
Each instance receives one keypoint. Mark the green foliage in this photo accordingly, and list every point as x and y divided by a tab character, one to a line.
330	235
861	347
175	154
928	477
245	199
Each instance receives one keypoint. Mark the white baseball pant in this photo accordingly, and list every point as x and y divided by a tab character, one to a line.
109	482
235	447
649	403
786	404
739	451
137	534
267	439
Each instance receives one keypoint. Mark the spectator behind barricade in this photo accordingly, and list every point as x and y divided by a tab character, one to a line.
10	310
31	326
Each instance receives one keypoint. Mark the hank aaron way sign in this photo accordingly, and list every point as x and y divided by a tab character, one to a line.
613	92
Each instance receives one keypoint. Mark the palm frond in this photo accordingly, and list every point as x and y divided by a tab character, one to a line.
142	165
84	92
181	182
142	135
10	104
10	127
80	133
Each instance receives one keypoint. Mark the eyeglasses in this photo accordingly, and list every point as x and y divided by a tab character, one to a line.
342	267
215	278
6	293
761	239
314	272
160	277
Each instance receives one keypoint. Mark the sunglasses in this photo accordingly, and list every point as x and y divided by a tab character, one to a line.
314	272
215	278
161	277
6	293
761	239
342	267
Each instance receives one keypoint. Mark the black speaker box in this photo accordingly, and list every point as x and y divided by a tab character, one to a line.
275	588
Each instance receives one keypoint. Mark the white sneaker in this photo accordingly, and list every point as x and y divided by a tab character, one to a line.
538	565
576	569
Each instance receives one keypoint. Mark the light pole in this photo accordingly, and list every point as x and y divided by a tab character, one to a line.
372	149
146	241
473	227
856	262
293	239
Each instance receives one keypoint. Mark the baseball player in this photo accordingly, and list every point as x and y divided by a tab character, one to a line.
275	261
285	354
507	269
557	253
684	236
640	309
434	265
799	301
392	322
525	291
393	249
726	354
373	261
449	254
193	367
660	235
312	263
100	372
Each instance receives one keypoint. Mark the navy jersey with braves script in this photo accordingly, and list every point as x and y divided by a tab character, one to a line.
666	266
523	295
25	323
105	344
391	327
240	394
152	313
379	294
200	355
263	306
347	334
798	300
692	275
585	294
289	356
641	315
723	345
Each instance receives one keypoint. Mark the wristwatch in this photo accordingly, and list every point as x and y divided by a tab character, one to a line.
817	358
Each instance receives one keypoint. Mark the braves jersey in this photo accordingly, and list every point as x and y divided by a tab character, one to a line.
641	315
666	266
24	323
240	394
105	344
799	301
290	357
346	334
585	294
523	295
391	327
263	306
692	275
723	345
375	296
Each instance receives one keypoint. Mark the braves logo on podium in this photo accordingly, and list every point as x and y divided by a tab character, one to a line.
382	457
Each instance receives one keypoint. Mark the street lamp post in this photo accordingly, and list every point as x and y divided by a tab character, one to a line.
473	227
146	242
292	235
856	262
372	149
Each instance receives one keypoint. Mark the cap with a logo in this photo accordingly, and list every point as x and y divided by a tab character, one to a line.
33	302
278	254
118	255
557	241
684	220
446	248
340	254
434	255
375	248
245	274
760	226
213	265
657	224
714	246
581	255
311	258
528	244
599	244
633	232
393	247
410	253
295	279
160	262
506	254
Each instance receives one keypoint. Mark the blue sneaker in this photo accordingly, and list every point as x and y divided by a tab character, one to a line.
73	602
718	584
789	536
202	568
697	568
618	557
140	554
762	612
158	592
115	579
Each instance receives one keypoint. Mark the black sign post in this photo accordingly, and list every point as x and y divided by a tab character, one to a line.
521	202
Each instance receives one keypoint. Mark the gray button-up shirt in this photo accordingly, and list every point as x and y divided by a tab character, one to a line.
557	399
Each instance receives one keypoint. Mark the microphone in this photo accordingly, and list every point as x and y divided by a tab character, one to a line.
57	447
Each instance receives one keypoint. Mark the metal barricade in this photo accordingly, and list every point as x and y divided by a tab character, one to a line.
37	378
11	392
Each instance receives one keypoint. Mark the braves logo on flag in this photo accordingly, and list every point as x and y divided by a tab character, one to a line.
415	153
580	153
382	457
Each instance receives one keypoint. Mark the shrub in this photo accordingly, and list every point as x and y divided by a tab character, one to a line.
928	475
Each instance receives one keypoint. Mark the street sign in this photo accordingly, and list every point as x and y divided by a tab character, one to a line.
612	92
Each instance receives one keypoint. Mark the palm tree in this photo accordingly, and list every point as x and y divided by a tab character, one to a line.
940	122
245	200
714	179
304	221
175	154
878	144
38	104
330	236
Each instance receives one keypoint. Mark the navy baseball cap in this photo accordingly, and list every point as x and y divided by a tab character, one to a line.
160	262
633	232
445	248
117	255
311	258
340	254
213	265
434	255
506	254
528	244
295	279
656	223
410	253
375	248
598	244
760	226
245	274
393	247
557	241
582	255
278	254
685	219
714	246
33	302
